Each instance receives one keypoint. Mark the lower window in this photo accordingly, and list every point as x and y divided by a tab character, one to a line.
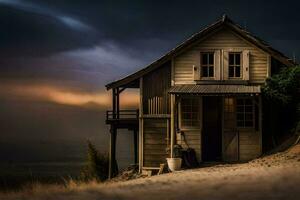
244	113
229	112
190	112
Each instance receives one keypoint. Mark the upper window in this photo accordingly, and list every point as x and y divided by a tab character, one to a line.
207	64
190	112
245	113
234	65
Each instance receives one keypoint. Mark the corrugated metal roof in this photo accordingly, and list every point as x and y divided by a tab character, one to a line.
214	89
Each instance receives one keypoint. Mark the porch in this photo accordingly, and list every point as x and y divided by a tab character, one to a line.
127	119
220	122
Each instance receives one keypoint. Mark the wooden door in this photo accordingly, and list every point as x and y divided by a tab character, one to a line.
231	143
230	132
212	129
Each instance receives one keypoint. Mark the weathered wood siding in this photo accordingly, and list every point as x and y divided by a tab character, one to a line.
155	142
156	101
226	41
192	134
156	84
249	143
193	140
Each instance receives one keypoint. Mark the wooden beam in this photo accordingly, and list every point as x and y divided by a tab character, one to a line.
172	124
121	90
260	122
168	132
114	103
223	121
141	126
118	102
112	153
135	144
172	72
269	58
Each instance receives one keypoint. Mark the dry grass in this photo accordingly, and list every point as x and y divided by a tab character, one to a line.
272	177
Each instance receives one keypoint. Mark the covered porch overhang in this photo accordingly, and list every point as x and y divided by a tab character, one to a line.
215	90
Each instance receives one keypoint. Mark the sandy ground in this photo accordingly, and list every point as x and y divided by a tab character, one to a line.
272	177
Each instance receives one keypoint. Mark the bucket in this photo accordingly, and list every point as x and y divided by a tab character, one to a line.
174	164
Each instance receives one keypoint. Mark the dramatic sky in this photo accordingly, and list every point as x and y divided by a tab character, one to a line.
57	55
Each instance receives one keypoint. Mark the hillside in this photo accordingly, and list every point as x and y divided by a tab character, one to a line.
276	176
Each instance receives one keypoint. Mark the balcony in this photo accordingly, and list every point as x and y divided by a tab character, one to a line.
127	119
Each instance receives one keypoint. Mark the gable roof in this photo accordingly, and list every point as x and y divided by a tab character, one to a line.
224	21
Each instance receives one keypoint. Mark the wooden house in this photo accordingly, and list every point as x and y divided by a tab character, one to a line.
204	94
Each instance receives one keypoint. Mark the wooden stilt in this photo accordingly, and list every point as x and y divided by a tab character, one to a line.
140	137
113	169
135	141
260	122
112	153
128	119
114	103
117	103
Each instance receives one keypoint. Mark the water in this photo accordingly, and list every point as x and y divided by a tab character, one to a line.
47	141
50	166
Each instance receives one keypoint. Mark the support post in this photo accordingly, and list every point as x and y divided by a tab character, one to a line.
141	140
260	121
112	153
172	124
135	142
114	103
118	102
113	168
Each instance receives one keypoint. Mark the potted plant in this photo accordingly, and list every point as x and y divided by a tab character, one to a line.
174	163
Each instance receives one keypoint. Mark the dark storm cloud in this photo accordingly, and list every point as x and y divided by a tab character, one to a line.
142	19
51	26
86	44
29	29
99	41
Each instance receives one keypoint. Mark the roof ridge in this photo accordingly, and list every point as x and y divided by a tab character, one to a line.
224	17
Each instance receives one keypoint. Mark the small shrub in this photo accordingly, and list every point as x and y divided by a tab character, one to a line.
97	165
280	101
283	88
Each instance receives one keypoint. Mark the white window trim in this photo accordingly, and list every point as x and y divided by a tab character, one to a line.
200	64
241	66
253	115
181	127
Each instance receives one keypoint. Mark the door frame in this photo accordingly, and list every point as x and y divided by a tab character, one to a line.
223	127
221	110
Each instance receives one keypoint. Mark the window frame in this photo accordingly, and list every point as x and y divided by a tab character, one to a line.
245	113
235	66
207	65
183	126
229	110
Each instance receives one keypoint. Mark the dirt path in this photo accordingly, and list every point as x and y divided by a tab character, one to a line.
272	177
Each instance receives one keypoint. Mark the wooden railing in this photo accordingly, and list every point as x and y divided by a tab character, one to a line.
122	114
155	105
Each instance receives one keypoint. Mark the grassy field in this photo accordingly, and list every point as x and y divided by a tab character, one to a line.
19	175
276	176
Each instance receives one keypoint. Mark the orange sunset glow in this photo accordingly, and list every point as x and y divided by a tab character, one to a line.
66	96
